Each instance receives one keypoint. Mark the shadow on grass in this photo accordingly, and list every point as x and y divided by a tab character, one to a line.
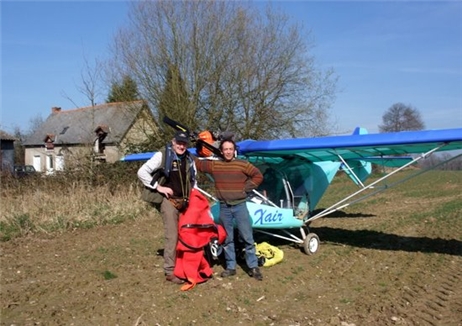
371	239
342	214
383	241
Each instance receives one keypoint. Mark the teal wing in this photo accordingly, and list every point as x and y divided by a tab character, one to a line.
356	146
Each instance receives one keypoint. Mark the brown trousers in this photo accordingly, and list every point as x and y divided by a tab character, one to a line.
170	217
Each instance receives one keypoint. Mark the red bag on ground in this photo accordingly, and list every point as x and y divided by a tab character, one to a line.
196	229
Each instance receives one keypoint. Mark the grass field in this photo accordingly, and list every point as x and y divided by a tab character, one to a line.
85	255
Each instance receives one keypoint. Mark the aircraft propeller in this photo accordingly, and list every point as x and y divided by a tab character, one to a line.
201	139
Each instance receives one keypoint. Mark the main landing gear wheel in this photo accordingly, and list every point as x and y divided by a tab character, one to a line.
311	244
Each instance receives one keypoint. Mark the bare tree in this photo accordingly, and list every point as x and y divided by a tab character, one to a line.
35	123
451	160
92	83
401	117
242	70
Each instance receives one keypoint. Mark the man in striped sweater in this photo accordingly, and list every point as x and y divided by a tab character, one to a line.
234	179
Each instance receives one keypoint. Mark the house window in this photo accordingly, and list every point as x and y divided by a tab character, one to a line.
49	164
99	146
49	145
59	163
37	162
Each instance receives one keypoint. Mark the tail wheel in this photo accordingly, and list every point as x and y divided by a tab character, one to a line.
311	244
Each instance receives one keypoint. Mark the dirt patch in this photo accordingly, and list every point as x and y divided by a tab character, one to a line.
375	266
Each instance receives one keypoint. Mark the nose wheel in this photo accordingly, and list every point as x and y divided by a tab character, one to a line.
311	244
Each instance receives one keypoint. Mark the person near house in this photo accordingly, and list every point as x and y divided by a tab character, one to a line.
174	184
234	180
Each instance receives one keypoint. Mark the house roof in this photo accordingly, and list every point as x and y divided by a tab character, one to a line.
6	136
79	126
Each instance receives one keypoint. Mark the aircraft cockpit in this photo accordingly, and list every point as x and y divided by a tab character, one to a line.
285	187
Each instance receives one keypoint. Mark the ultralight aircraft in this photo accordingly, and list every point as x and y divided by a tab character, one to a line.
297	172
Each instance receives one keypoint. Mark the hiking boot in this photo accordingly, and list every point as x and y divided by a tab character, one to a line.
172	278
256	274
228	272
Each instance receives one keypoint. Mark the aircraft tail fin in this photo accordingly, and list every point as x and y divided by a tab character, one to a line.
360	131
357	170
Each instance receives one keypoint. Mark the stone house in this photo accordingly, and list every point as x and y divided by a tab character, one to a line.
100	133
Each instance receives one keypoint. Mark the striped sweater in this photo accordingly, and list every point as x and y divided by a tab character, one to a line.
233	179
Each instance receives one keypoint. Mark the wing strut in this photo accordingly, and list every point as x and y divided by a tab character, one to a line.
289	237
206	194
351	170
265	198
343	203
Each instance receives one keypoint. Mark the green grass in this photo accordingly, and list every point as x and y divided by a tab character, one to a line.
51	208
16	226
108	275
297	270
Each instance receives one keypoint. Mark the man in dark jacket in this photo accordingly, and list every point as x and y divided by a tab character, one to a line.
175	182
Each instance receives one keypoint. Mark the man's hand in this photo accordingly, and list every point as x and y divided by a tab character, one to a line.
165	190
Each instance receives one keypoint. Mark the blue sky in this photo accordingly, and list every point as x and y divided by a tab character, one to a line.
384	52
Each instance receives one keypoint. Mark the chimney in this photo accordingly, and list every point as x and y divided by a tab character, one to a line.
55	109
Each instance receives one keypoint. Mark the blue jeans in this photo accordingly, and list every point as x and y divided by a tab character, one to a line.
238	215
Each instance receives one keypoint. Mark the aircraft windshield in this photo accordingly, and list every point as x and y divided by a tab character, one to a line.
286	184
